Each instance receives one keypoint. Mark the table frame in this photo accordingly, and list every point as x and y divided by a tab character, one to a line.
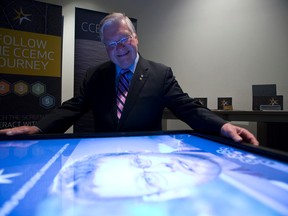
272	126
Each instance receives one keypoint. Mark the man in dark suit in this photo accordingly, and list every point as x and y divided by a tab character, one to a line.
152	87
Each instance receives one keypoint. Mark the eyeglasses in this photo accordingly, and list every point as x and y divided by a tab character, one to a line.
122	41
153	181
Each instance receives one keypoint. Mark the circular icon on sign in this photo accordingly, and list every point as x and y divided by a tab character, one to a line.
38	88
4	87
21	88
47	101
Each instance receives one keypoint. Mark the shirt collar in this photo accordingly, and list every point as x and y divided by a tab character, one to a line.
132	68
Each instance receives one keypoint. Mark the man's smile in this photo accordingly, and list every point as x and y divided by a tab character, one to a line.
122	55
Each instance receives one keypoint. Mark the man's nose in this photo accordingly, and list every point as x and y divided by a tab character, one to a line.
120	45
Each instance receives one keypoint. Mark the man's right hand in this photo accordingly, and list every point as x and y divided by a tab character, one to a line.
20	130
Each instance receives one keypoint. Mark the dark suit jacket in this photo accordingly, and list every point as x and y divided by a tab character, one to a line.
153	87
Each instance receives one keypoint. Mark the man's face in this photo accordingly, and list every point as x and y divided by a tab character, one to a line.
138	175
123	53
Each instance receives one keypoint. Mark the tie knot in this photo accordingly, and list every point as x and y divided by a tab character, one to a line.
127	74
124	71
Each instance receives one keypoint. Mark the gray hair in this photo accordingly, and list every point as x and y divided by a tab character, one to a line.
116	17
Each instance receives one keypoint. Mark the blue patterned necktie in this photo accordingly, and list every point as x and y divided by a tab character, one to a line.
122	91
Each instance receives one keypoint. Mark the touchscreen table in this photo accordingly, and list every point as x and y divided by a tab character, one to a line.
172	173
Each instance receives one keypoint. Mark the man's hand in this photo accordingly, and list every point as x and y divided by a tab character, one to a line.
238	134
20	130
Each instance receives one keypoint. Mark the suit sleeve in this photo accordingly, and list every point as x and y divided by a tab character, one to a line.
63	117
185	108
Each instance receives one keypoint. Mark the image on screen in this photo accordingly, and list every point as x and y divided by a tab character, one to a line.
169	174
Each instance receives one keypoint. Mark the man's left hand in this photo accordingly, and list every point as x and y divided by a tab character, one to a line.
238	134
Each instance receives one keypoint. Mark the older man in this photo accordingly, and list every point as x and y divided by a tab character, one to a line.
129	93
